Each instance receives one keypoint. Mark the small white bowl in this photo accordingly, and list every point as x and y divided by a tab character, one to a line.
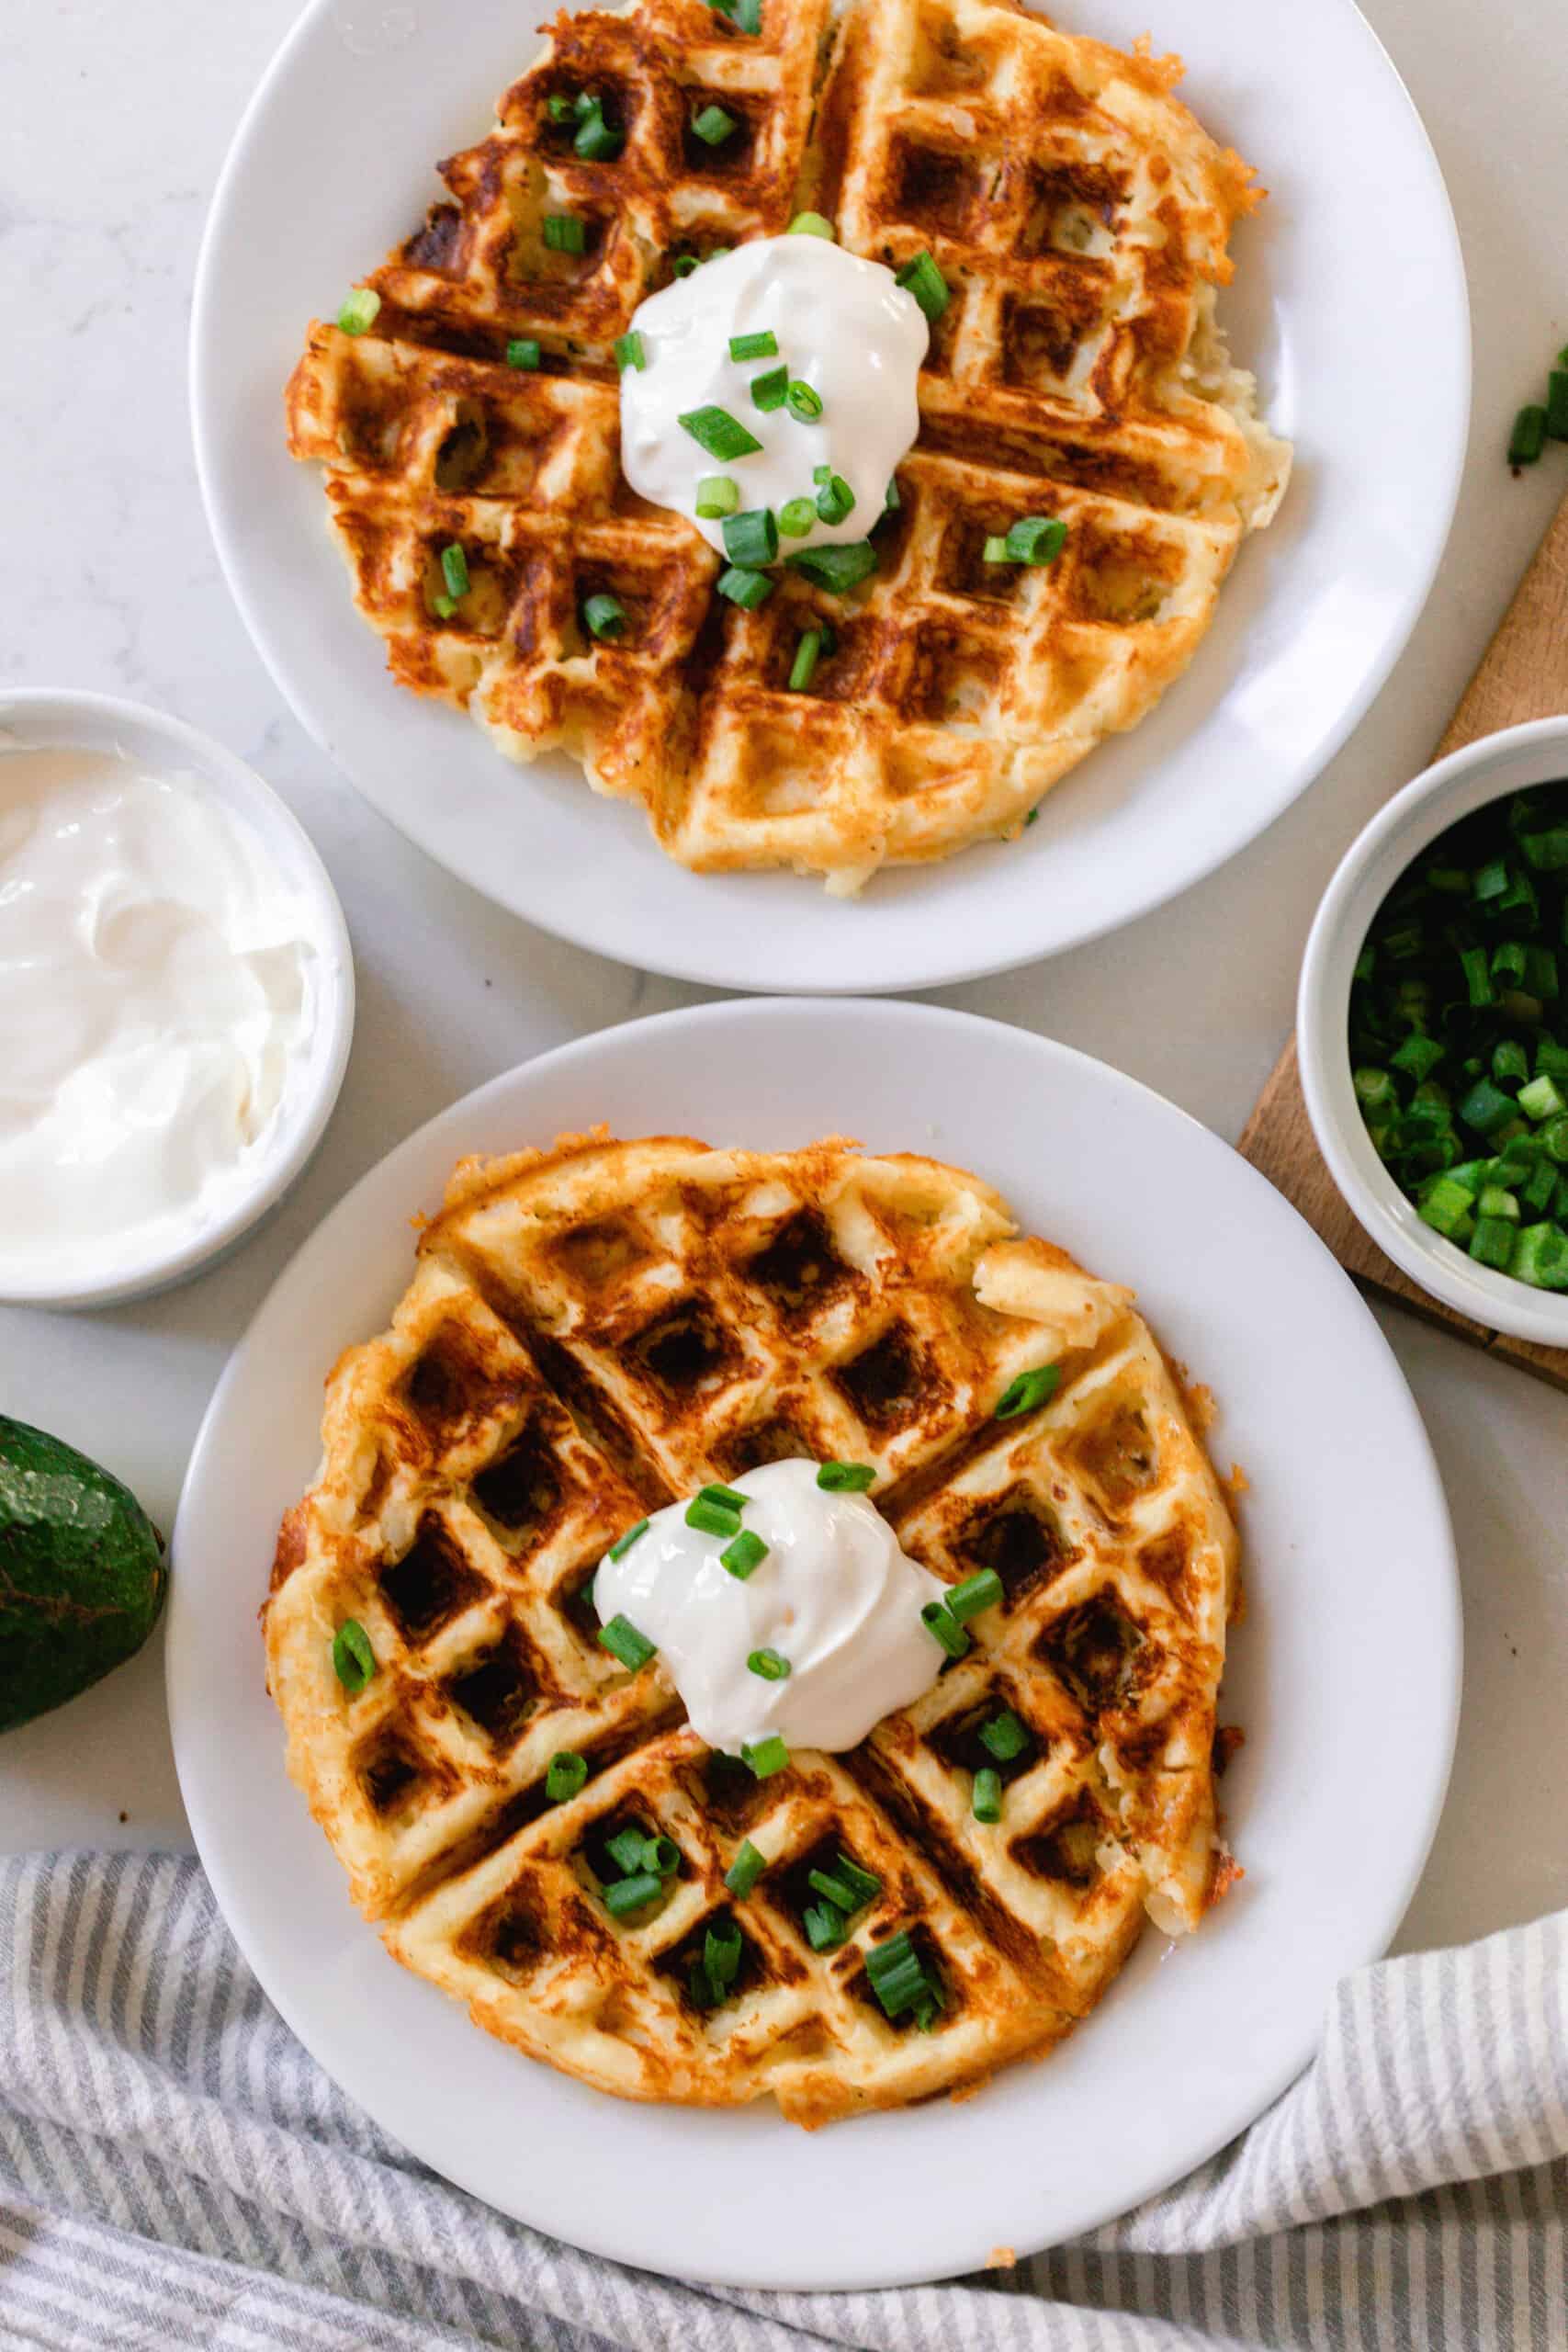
1490	770
44	716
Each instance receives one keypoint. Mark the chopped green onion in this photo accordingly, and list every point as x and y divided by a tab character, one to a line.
712	1518
700	1988
748	589
623	1543
585	105
747	1553
834	500
864	1885
1027	1392
722	1947
635	1894
892	502
444	606
1540	1257
566	1775
988	1797
629	351
1528	436
1038	538
745	1870
561	108
455	569
605	617
812	224
598	141
1004	1736
1419	1057
769	390
1494	1201
722	436
824	1926
769	1664
982	1591
996	549
751	538
713	125
626	1850
803	669
1491	1244
762	345
353	1660
922	278
939	1620
1554	1137
726	1498
621	1638
768	1756
357	309
564	233
716	496
845	1477
1445	1206
803	401
797	516
839	569
746	16
686	265
899	1978
661	1856
522	351
1542	1099
1557	404
837	1890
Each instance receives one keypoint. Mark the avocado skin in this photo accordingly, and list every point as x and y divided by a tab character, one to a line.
82	1575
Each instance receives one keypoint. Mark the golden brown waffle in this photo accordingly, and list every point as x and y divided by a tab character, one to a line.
597	1329
1081	217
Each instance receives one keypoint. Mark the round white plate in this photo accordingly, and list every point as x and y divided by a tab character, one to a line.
332	164
1344	1672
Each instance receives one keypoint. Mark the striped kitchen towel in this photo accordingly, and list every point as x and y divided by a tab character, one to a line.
175	2171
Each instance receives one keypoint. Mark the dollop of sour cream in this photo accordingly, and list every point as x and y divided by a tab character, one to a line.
842	326
154	986
835	1595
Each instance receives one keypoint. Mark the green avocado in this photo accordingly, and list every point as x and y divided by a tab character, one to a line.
82	1575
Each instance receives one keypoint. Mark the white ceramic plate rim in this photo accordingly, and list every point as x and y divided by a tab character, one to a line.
100	721
1466	780
954	2180
1309	625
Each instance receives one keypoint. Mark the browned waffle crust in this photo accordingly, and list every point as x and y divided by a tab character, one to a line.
594	1329
1082	217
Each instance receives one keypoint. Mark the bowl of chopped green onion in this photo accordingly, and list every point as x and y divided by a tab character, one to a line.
1432	1027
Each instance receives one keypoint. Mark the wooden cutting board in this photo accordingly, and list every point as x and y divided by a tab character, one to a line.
1524	675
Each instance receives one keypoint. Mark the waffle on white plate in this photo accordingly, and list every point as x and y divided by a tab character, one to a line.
594	1329
1080	216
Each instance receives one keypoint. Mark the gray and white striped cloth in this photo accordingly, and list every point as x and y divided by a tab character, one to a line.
175	2171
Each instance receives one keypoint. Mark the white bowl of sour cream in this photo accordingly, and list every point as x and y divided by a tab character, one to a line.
177	999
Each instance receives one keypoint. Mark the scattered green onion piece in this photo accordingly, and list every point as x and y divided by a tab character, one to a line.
629	1894
353	1660
712	1518
1038	538
1491	1243
704	1993
824	1926
1554	1137
803	400
561	108
834	500
837	1890
726	1498
1418	1057
769	390
661	1856
996	549
626	1850
767	1757
839	569
939	1621
1542	1099
899	1978
1445	1206
746	16
864	1885
745	1870
522	351
623	1543
748	589
716	496
892	502
751	538
1540	1258
987	1796
797	516
564	233
598	141
566	1774
1027	1392
722	436
845	1477
747	1553
586	105
1557	404
444	606
769	1664
922	278
629	351
455	569
621	1638
1528	438
803	669
713	125
1004	1736
722	1947
762	345
1494	1200
981	1590
812	224
605	617
686	265
357	309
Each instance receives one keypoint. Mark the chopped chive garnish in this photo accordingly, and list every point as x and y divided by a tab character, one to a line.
1528	436
769	1664
686	265
812	224
522	351
561	108
762	346
605	617
455	569
837	1890
769	391
939	1620
629	351
988	1797
716	496
835	499
585	105
748	1552
564	233
621	1638
444	606
722	1948
598	141
1004	1736
839	569
566	1774
353	1660
713	125
623	1543
746	589
1030	1390
746	16
768	1756
864	1885
803	400
635	1894
824	1926
1038	538
727	1497
661	1856
745	1870
995	548
751	538
712	1518
899	1977
797	516
626	1850
845	1477
892	502
803	669
922	278
722	436
1032	818
357	309
982	1591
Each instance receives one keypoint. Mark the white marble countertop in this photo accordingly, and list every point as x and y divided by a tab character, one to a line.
111	583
